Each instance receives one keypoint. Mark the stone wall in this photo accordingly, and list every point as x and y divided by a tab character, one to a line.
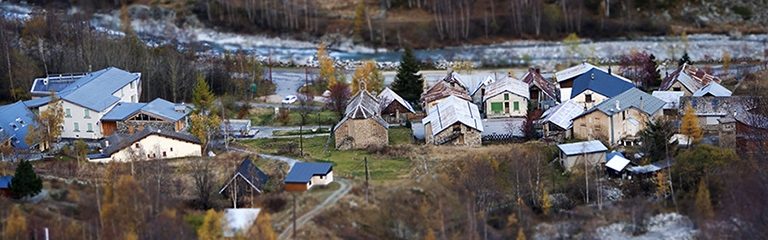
360	134
130	127
467	136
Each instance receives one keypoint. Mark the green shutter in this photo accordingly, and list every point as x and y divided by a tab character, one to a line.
516	105
496	107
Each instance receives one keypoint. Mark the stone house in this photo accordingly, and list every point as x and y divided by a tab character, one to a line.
362	126
129	118
710	109
543	92
687	79
506	97
672	99
454	121
619	118
576	156
394	109
451	85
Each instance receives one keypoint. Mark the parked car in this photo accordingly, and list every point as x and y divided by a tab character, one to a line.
289	99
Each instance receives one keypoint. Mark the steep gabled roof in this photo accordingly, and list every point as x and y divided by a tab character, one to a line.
453	110
601	82
632	98
713	89
15	119
691	77
581	69
534	78
563	114
387	96
157	108
94	90
251	174
672	98
302	172
363	106
449	86
509	85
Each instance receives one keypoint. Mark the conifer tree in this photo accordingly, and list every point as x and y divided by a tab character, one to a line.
25	182
202	96
703	201
408	82
684	60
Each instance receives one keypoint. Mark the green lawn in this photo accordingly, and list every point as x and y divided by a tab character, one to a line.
400	135
346	163
307	130
268	118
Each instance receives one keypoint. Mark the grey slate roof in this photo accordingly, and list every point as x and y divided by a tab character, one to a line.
563	114
120	141
716	106
387	96
632	98
712	89
363	106
533	77
159	107
593	146
302	172
452	110
94	91
507	84
672	98
15	119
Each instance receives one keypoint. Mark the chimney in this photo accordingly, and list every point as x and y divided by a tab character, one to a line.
618	105
609	69
106	143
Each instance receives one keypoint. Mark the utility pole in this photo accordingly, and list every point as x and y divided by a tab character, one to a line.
269	62
294	215
226	128
367	178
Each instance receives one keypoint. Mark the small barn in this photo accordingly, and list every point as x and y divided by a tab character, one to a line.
247	180
304	175
5	185
557	122
362	126
453	121
573	156
394	109
616	164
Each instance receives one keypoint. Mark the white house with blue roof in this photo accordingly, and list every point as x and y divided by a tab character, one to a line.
86	98
589	85
304	175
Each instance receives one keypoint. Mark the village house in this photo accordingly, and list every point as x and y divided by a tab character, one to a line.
543	93
687	79
727	133
451	85
453	121
712	89
394	109
247	180
580	155
304	175
506	97
86	98
672	100
148	144
590	78
15	121
709	110
128	118
362	126
616	164
618	119
557	122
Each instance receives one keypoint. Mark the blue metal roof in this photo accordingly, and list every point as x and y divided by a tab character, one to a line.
302	172
37	102
164	109
14	123
612	154
122	110
94	91
608	85
5	182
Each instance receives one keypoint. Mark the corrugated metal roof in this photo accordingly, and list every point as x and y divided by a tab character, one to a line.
387	96
582	147
5	182
37	102
672	98
164	109
616	161
713	89
449	86
691	77
534	78
122	111
15	120
509	85
452	110
608	85
94	91
581	69
632	98
563	114
302	172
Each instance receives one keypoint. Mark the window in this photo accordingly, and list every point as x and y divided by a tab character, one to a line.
677	89
496	107
133	98
67	113
506	96
137	145
77	127
516	106
588	98
623	115
14	126
506	107
87	113
90	127
164	154
171	149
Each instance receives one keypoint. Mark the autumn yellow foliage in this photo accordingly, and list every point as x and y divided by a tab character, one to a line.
369	75
211	228
15	225
690	125
327	65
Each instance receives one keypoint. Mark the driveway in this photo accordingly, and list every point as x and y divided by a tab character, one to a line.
332	199
267	131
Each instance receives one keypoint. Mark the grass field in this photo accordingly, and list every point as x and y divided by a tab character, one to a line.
265	116
346	163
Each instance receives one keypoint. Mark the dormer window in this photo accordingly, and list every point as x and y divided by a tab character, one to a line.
14	126
588	98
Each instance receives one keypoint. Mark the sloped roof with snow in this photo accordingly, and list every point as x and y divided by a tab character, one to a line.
608	85
712	89
563	114
617	162
453	110
691	77
387	96
632	98
509	85
582	147
534	78
672	98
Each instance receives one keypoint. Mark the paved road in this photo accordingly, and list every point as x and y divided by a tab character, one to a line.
266	131
332	199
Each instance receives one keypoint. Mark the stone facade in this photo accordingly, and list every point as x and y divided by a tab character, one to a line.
360	134
458	134
130	127
598	125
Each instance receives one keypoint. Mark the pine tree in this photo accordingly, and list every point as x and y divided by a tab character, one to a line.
703	202
684	60
25	182
690	125
408	82
211	228
15	225
370	74
327	67
202	96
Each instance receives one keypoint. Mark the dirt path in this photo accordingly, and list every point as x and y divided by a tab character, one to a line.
332	199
